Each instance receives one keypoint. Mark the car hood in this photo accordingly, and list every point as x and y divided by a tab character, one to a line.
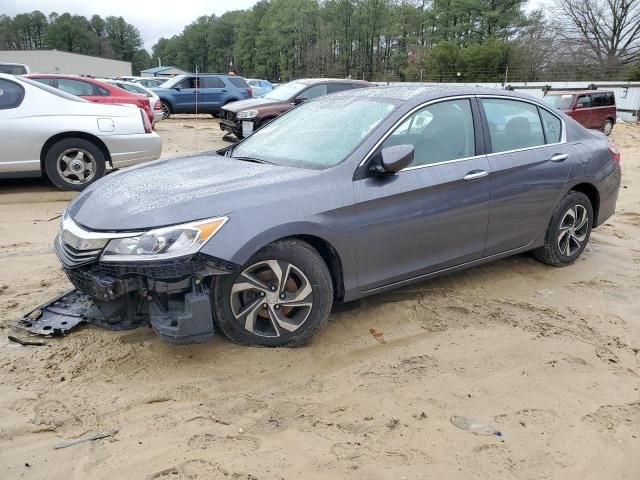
178	190
255	103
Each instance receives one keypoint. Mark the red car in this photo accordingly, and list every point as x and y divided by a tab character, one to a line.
93	90
590	108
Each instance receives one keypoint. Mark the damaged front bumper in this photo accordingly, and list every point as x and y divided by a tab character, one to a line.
172	296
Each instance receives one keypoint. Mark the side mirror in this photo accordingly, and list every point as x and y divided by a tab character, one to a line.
577	106
393	159
299	100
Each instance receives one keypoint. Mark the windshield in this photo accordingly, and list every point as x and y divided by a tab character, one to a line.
52	90
12	69
317	134
561	102
285	92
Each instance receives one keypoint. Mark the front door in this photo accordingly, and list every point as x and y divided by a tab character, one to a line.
582	112
433	214
184	96
530	165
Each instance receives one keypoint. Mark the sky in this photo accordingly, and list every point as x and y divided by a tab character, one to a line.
154	18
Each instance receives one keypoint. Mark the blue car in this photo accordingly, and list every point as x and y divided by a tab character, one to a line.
202	93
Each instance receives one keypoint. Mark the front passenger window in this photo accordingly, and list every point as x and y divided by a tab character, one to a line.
440	132
315	91
512	124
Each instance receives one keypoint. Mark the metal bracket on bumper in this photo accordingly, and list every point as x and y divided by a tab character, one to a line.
184	322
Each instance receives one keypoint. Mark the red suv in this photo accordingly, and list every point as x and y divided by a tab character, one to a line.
592	109
93	90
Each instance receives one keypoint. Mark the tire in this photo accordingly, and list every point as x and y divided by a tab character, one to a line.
166	109
568	232
74	164
607	128
239	299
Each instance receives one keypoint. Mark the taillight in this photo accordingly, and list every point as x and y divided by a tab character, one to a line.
145	121
249	91
157	106
614	150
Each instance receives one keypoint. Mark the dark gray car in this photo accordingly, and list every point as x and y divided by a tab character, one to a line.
344	196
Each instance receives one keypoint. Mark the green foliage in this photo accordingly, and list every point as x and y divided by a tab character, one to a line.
112	37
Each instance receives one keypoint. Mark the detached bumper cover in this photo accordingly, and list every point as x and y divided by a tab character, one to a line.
171	296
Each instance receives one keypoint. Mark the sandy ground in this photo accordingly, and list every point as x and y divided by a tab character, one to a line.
549	357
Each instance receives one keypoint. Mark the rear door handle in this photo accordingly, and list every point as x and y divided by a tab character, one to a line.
559	157
475	174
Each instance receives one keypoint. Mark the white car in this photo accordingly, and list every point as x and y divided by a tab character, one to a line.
154	101
71	141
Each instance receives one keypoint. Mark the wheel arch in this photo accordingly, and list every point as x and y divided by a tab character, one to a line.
74	134
592	193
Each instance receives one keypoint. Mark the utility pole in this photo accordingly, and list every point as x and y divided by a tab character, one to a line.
506	76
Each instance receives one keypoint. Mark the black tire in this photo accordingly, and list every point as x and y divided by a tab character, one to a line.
267	332
74	179
166	109
607	128
561	251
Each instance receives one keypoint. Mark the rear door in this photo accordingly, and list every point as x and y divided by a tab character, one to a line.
530	164
86	90
433	214
211	93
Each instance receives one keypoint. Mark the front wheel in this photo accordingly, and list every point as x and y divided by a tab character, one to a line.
568	232
607	128
74	164
280	298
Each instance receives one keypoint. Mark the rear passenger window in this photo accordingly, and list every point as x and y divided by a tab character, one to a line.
440	132
78	87
11	94
238	82
512	124
552	126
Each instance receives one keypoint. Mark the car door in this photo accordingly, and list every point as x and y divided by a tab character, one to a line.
212	89
184	96
20	152
530	164
582	112
433	214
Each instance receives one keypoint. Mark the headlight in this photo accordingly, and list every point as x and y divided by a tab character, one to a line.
247	114
163	243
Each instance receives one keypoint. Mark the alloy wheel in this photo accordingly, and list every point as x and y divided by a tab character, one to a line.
76	166
573	230
608	127
271	298
166	113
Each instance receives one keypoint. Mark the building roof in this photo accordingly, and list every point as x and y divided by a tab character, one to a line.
158	69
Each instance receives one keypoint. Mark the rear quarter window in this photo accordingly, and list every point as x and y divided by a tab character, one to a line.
11	94
238	82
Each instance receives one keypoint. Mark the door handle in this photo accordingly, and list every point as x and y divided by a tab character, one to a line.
559	157
223	91
475	174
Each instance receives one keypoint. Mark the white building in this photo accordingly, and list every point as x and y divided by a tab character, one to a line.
56	61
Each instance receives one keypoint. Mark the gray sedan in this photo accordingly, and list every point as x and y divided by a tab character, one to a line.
344	196
69	140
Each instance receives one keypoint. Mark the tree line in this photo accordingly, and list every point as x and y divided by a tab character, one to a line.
110	37
378	40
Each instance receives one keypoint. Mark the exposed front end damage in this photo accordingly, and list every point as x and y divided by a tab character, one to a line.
171	295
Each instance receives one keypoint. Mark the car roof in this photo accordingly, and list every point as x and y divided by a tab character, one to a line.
423	93
576	92
311	81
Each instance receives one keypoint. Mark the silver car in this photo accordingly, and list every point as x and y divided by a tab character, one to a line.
69	140
154	100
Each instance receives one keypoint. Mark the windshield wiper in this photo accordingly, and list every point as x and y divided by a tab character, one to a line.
251	159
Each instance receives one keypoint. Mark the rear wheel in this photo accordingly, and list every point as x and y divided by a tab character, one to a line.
607	128
166	110
74	163
568	232
282	296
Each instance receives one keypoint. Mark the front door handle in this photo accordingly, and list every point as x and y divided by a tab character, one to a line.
559	157
475	174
